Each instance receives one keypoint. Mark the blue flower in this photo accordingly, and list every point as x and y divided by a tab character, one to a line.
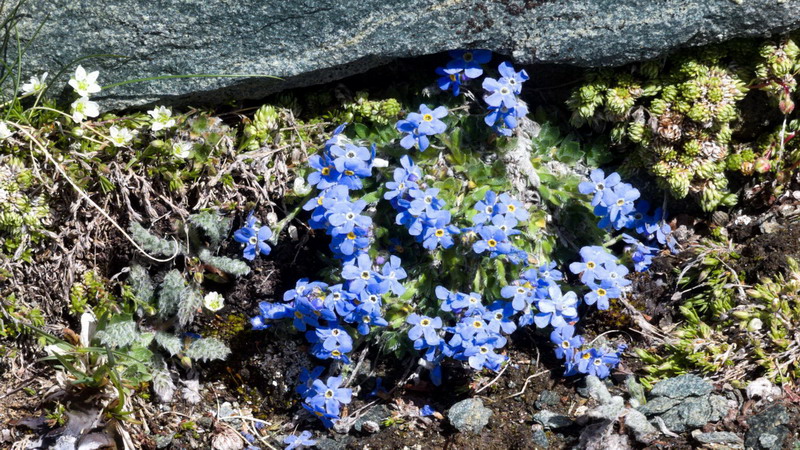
440	232
350	243
329	395
345	216
493	240
420	125
307	378
566	342
373	319
597	362
352	160
513	207
426	411
450	80
601	293
499	93
556	310
325	174
319	411
429	122
423	332
331	338
617	204
591	266
405	178
424	202
499	316
305	288
359	274
506	224
254	238
481	354
325	200
487	208
469	61
511	77
298	442
521	293
598	185
392	272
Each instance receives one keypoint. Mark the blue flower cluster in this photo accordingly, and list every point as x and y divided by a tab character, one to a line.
330	314
501	96
324	399
418	126
418	207
465	66
494	225
616	204
254	237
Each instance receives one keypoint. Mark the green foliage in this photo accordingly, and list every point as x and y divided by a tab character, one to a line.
365	111
680	120
24	212
151	243
207	349
728	330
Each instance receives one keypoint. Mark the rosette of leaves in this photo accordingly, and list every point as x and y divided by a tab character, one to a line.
23	211
678	119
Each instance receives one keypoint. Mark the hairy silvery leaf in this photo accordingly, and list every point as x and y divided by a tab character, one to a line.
152	244
191	390
234	267
214	225
191	301
118	334
170	292
141	283
169	342
207	349
162	381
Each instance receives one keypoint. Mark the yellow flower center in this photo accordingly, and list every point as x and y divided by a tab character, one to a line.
591	265
512	208
477	324
586	356
325	171
298	314
336	353
453	77
601	292
492	243
439	232
351	235
349	173
427	117
329	394
424	322
565	344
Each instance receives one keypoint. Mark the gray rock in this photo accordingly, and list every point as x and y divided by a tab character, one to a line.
469	415
163	440
551	420
691	413
596	389
768	429
547	398
309	42
718	437
643	430
540	438
658	405
719	407
682	386
373	417
609	410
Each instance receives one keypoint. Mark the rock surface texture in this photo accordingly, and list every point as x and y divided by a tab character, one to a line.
314	41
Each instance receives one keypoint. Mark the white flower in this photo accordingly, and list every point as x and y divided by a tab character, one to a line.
300	187
35	85
83	108
213	301
120	137
83	83
182	149
5	133
162	118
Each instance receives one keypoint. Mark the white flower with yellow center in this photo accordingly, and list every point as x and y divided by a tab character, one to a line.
162	118
84	83
34	85
83	108
213	301
5	133
182	149
120	137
